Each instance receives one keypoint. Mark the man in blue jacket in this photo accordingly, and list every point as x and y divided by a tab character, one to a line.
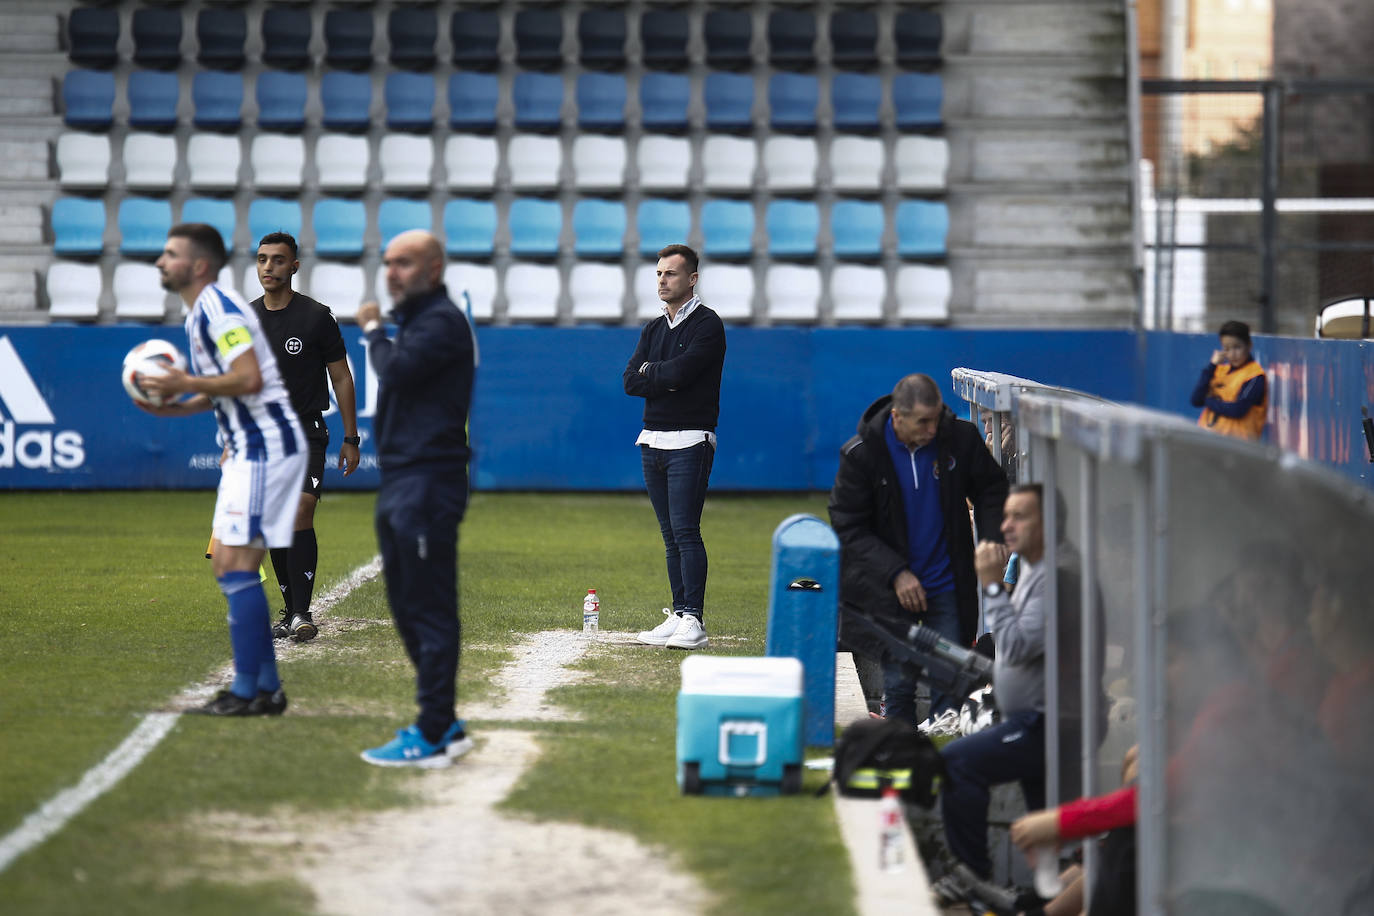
424	389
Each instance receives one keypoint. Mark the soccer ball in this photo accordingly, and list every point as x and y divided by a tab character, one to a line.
152	357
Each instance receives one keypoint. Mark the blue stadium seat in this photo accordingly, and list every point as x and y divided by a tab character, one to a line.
286	37
921	228
729	101
599	228
601	101
663	98
157	38
153	99
918	33
347	100
88	99
662	223
856	99
410	101
663	39
792	100
476	37
728	35
917	98
412	32
220	36
539	37
93	36
792	228
534	227
348	39
857	229
218	100
143	225
78	226
216	212
854	39
281	100
469	227
398	214
792	38
272	214
727	228
472	101
538	98
601	37
339	227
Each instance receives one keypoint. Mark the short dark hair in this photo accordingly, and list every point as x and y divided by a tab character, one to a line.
1037	488
917	388
1237	329
281	238
687	254
204	237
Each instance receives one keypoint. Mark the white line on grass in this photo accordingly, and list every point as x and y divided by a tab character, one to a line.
67	804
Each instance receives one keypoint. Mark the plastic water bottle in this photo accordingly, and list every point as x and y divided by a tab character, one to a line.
890	838
591	612
1047	883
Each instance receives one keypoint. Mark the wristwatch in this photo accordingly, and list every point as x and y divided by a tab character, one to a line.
353	440
993	589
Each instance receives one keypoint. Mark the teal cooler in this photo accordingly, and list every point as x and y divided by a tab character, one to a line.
739	726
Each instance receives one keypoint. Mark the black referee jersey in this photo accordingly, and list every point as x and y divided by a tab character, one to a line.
305	337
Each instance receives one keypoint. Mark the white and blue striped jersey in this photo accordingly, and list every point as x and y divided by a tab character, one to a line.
258	427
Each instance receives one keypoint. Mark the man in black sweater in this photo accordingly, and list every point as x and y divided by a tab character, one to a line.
676	368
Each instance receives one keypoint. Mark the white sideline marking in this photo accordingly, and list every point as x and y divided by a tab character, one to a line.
54	814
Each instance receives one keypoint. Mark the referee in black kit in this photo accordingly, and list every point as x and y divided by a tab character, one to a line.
306	341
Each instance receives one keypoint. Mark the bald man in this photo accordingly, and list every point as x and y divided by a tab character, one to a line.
424	379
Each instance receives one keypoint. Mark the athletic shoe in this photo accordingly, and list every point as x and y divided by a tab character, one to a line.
660	634
690	634
268	703
943	725
227	703
303	629
282	628
456	741
410	749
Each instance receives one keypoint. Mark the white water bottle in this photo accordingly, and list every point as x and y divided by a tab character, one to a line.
591	612
890	838
1047	883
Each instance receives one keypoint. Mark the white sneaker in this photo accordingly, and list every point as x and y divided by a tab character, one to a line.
946	723
659	634
690	634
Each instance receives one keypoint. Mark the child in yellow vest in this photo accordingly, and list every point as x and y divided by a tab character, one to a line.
1233	392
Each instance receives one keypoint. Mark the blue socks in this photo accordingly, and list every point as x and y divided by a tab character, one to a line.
250	635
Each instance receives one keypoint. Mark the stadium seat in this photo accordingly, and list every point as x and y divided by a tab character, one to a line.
663	163
150	161
921	228
218	100
661	223
73	290
143	225
341	162
539	37
472	100
153	100
856	226
286	37
78	226
88	99
250	289
601	102
597	292
407	162
792	100
534	161
601	37
663	39
157	38
856	99
347	100
647	304
277	162
727	228
792	228
857	292
469	227
663	101
535	225
478	282
213	162
93	37
918	34
216	212
729	101
922	293
917	98
470	161
412	32
792	293
921	163
398	214
792	38
339	227
538	100
598	228
281	100
220	37
789	163
339	286
728	33
598	162
476	40
83	160
410	101
856	164
729	290
532	292
854	39
138	293
270	214
348	39
727	163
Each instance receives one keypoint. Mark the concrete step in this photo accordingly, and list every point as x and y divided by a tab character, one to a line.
1013	28
29	96
29	160
1056	289
1066	219
31	32
1073	153
1050	89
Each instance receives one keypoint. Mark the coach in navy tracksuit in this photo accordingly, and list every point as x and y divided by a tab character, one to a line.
425	387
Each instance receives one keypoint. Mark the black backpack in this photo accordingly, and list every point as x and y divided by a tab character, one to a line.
872	752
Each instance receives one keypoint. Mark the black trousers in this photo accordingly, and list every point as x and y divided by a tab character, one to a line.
417	520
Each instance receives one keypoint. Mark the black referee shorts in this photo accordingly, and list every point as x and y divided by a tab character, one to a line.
317	439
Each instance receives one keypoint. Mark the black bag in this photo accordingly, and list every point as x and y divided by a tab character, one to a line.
872	752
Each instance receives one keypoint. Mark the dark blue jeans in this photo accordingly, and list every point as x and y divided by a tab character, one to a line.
899	684
676	480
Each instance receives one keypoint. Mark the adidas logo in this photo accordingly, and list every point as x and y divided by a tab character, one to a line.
21	403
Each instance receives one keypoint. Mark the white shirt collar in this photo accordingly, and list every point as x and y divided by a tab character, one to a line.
682	313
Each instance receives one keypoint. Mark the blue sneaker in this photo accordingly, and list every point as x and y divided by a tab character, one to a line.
410	749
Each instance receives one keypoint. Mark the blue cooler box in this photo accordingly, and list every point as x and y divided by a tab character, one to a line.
739	726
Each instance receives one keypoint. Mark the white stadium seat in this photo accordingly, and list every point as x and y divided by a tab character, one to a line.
341	162
478	281
407	162
470	161
339	286
789	163
83	160
597	292
138	292
727	163
922	293
531	292
73	290
729	290
793	293
857	292
534	161
150	161
598	162
663	163
278	162
922	163
213	161
856	163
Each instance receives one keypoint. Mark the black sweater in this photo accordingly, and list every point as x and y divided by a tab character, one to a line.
681	384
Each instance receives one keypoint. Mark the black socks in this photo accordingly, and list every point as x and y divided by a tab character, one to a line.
295	569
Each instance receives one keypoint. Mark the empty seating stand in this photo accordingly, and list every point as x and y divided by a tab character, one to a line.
792	101
339	226
348	38
730	102
78	226
599	228
153	100
286	37
856	227
397	214
661	223
472	99
220	37
535	225
663	101
538	100
539	37
663	39
792	228
601	37
341	162
856	99
792	38
918	33
476	37
93	36
73	290
601	101
729	34
270	214
281	100
157	37
727	228
150	161
217	99
83	160
410	101
921	228
88	99
347	100
854	39
143	225
412	32
214	211
917	99
469	227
